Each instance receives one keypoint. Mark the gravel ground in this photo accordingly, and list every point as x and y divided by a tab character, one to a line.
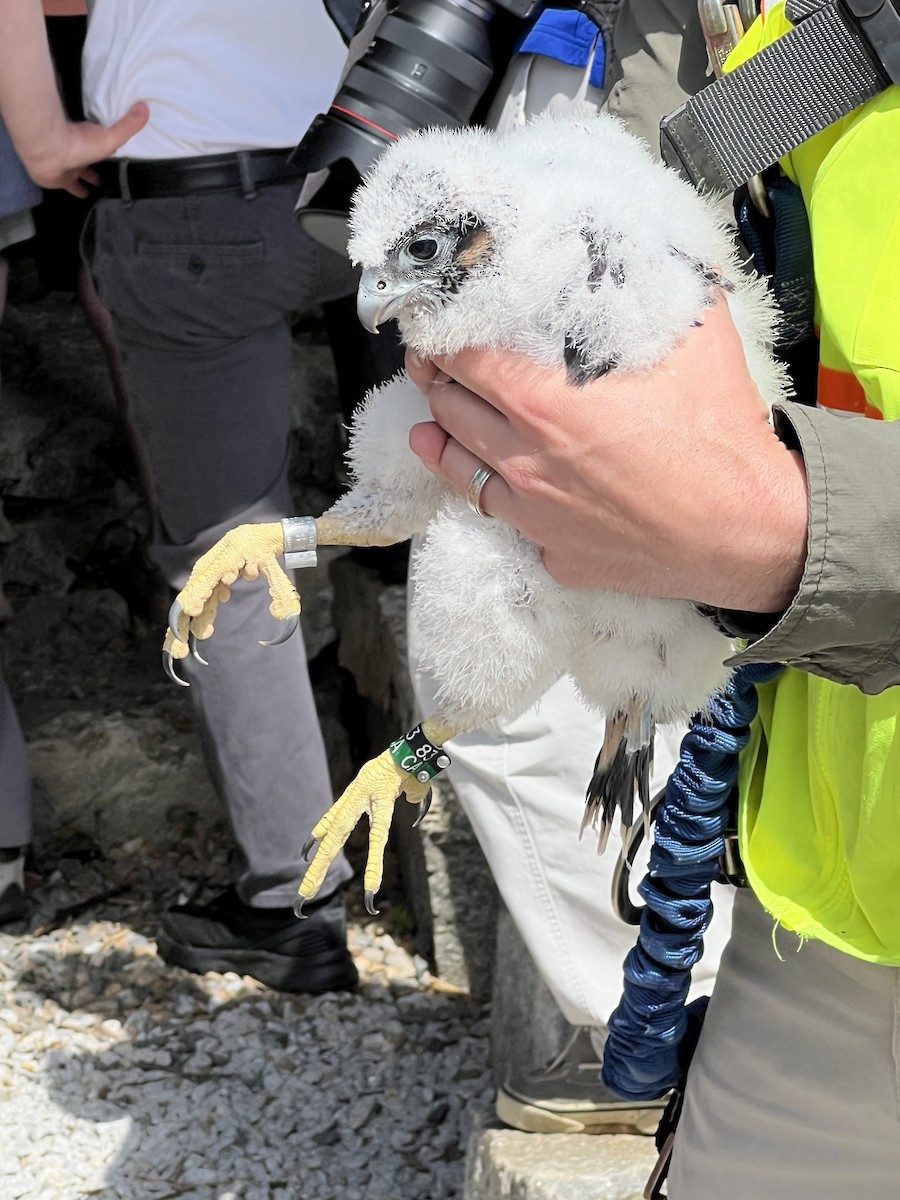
121	1077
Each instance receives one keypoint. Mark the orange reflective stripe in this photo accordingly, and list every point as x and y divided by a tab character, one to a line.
842	392
64	8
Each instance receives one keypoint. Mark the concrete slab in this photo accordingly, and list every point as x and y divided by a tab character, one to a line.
503	1164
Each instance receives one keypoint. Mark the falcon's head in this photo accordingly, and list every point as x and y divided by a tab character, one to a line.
423	270
429	225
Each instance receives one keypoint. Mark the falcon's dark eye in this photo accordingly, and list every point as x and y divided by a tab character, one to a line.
423	249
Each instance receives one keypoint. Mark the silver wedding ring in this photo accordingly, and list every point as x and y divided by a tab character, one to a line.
476	485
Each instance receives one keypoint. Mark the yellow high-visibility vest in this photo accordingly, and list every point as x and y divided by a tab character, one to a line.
820	780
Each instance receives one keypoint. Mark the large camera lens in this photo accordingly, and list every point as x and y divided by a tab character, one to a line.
417	63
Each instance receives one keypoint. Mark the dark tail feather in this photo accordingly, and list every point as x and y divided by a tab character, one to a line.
621	773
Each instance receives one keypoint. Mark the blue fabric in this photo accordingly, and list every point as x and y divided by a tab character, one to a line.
644	1055
567	37
17	192
784	237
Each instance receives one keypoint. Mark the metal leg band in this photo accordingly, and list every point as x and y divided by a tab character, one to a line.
299	542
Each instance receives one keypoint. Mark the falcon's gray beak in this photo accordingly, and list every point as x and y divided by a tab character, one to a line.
379	298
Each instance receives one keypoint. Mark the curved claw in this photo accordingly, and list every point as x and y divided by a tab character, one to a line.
290	624
370	903
307	846
176	612
423	809
298	908
169	668
195	653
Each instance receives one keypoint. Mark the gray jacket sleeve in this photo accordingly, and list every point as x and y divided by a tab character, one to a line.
844	622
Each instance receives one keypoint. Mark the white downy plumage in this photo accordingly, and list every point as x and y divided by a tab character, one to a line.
598	257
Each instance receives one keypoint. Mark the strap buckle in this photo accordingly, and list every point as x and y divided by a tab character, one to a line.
781	97
880	22
723	28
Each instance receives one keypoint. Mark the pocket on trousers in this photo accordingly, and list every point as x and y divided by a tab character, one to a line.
192	253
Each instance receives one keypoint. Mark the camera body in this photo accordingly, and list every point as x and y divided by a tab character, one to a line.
411	64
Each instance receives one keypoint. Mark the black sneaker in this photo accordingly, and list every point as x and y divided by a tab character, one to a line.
567	1096
269	944
13	905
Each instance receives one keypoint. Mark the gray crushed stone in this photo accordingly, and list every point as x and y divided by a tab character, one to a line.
125	1079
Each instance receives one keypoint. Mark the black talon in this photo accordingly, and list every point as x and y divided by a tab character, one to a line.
195	653
298	908
291	624
370	903
169	668
423	809
176	612
307	846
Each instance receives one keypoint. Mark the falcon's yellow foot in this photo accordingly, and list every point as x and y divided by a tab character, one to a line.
374	791
243	553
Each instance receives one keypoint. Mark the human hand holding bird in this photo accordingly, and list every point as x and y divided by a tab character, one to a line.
711	507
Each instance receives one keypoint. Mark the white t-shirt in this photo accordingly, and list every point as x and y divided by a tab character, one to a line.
218	75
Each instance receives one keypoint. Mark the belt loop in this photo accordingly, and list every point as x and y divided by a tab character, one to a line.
124	190
248	186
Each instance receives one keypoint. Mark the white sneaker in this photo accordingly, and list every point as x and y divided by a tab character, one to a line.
567	1096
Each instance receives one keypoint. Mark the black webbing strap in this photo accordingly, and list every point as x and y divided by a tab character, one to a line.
838	56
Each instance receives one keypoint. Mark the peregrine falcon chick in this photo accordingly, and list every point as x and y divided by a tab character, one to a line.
565	241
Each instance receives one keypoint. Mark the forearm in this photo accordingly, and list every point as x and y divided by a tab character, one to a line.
844	622
29	97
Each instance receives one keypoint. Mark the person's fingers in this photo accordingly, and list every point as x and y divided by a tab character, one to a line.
88	143
428	440
493	374
538	398
74	186
421	371
120	131
472	421
457	466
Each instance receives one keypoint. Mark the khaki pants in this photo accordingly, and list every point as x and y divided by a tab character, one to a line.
659	60
794	1092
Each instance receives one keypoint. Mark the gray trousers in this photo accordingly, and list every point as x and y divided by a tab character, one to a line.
794	1091
201	289
15	780
17	194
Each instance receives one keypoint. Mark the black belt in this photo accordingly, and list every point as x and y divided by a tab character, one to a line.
243	170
